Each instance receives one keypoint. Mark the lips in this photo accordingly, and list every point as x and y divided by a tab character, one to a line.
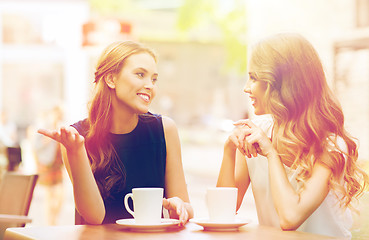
253	100
144	96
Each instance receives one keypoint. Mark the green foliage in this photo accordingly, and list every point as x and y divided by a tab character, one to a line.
194	13
231	23
108	7
229	16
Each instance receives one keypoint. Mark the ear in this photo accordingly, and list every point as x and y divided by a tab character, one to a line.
110	80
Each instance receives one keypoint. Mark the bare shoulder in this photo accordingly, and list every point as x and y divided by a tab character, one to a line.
169	124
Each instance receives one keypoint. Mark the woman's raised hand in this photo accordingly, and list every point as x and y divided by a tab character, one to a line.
252	139
238	140
67	136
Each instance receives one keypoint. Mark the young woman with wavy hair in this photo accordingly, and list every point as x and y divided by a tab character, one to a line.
297	155
121	145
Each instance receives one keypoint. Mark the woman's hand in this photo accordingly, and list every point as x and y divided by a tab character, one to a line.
253	139
177	209
237	140
87	197
67	136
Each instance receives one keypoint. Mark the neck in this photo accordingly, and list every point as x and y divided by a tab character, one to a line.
123	123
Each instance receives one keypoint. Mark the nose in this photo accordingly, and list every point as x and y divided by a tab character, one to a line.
148	84
247	89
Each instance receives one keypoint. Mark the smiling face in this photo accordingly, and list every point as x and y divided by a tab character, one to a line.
134	85
256	89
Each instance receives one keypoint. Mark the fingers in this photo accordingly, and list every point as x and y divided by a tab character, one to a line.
260	141
44	132
240	122
177	209
249	149
68	136
165	203
249	139
55	135
183	215
246	122
64	136
255	148
239	139
243	138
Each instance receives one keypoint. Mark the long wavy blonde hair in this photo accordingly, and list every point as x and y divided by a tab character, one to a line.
308	120
106	166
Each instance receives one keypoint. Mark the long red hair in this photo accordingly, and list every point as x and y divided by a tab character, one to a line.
308	119
106	166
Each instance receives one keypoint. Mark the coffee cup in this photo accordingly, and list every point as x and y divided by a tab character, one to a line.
221	203
147	205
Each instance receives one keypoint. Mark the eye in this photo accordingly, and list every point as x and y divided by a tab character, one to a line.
154	80
140	74
252	79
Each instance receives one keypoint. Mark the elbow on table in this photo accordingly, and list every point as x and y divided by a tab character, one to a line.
288	227
93	219
94	222
289	223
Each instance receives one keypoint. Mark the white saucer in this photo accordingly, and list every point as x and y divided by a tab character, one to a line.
220	226
163	225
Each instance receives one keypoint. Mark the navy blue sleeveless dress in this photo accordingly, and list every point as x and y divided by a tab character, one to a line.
143	154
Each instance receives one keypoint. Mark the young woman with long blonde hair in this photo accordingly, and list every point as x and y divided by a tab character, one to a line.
297	156
121	145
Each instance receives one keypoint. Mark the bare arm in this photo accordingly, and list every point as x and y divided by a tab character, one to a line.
178	202
234	171
242	177
87	197
293	206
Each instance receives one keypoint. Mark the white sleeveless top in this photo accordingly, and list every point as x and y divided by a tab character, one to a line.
328	219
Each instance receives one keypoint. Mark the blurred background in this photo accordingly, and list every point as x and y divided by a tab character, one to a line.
49	48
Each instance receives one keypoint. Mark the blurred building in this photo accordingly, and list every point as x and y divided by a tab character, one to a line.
339	29
41	59
49	50
351	74
194	87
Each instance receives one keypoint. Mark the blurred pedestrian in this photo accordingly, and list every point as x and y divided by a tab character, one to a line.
9	142
49	163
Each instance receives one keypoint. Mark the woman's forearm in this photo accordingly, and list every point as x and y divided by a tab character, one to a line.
285	198
226	176
87	197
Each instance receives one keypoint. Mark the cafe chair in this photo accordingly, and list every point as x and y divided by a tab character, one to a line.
16	191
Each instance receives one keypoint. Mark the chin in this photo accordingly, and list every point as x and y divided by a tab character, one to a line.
258	112
142	111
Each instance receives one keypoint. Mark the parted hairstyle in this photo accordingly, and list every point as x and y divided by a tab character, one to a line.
108	170
308	119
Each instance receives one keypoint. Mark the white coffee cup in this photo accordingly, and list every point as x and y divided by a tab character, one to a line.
221	202
147	205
